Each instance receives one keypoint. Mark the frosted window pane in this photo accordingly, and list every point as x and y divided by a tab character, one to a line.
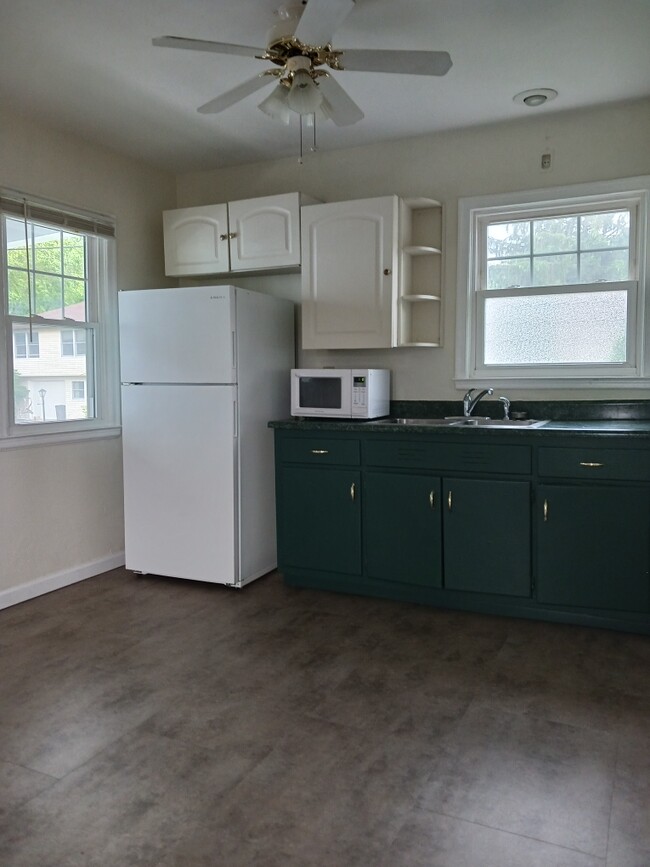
555	270
555	235
587	328
605	265
506	273
605	230
508	239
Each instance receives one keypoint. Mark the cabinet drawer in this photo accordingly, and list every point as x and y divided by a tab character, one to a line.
446	457
595	463
319	450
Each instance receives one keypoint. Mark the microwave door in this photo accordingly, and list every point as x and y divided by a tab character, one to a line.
322	394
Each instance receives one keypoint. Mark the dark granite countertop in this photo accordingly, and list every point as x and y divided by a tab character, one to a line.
628	420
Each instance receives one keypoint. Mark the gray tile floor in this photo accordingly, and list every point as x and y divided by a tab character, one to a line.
146	721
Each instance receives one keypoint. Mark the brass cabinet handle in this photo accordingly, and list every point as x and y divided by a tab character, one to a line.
432	499
545	511
591	464
449	501
319	452
353	492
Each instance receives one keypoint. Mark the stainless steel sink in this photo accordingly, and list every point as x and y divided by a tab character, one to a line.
505	423
461	421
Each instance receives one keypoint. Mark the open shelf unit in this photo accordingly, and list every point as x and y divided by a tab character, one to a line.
421	270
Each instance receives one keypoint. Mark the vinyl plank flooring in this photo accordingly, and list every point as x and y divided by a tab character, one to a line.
158	723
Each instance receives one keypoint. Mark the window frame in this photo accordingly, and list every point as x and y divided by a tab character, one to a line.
102	359
476	213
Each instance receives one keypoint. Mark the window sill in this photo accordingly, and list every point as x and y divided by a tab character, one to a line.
554	383
61	437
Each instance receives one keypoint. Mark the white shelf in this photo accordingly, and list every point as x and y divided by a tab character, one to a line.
419	202
421	343
421	250
413	297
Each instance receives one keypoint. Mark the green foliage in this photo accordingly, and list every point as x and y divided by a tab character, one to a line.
58	266
21	392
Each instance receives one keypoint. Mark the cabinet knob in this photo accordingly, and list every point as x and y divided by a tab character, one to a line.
353	492
449	501
545	511
432	499
223	237
387	272
232	235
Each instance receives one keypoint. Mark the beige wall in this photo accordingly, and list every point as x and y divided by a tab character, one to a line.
61	505
591	145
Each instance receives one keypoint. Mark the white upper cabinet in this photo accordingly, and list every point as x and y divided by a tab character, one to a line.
248	235
196	240
349	274
372	274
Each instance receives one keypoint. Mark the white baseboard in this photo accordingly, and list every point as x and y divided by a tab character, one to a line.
14	595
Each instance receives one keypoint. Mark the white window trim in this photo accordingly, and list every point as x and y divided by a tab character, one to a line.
106	359
635	373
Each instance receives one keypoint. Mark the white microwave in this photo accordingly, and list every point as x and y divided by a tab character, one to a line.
344	393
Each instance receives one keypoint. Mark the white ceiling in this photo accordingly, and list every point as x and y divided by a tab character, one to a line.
89	66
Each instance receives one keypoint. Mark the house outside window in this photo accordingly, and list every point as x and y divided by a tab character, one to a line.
58	282
24	346
553	285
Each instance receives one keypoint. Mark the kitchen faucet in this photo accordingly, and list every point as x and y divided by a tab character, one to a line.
470	400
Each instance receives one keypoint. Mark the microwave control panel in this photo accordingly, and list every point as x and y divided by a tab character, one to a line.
359	391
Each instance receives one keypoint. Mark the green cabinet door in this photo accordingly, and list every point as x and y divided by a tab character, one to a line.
592	546
319	519
401	528
487	536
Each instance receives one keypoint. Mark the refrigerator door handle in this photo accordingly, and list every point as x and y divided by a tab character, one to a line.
235	423
234	350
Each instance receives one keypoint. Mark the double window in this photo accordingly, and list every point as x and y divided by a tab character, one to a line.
552	286
59	304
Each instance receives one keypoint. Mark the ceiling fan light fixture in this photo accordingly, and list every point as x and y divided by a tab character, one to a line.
304	96
535	97
276	105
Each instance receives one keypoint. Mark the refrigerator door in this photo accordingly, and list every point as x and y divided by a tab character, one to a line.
180	481
178	335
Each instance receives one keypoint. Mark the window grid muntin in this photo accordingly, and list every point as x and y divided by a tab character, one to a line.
578	251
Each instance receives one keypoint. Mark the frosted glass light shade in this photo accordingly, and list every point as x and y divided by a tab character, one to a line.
276	105
304	96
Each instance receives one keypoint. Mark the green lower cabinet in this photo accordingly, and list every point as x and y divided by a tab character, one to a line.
402	528
593	546
319	519
487	536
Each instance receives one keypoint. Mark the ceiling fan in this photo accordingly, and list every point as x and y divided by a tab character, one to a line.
300	46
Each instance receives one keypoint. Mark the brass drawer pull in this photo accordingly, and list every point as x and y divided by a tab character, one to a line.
545	511
449	501
432	499
319	452
591	464
353	492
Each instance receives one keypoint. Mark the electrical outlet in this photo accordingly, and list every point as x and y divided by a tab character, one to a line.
546	161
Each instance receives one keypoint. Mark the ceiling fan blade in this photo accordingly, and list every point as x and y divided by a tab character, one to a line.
341	108
230	97
205	45
401	62
320	20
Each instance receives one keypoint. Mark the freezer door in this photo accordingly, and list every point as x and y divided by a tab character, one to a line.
178	335
180	481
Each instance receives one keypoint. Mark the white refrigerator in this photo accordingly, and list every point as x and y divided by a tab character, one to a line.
203	370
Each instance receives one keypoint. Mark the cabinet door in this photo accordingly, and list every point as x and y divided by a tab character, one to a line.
264	232
349	274
487	536
401	528
196	240
319	519
592	546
